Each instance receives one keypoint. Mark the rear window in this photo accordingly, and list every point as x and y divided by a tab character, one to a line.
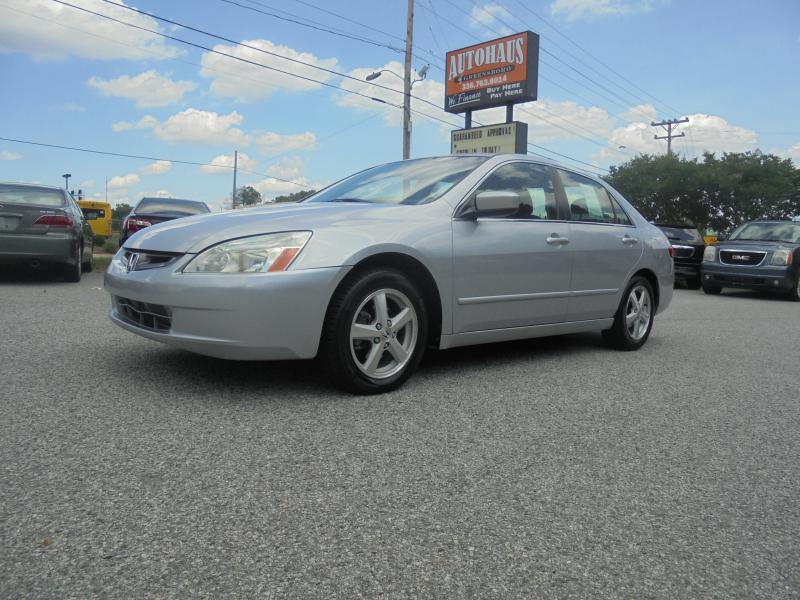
682	235
164	205
14	194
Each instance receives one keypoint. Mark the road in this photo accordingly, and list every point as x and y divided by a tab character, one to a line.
544	468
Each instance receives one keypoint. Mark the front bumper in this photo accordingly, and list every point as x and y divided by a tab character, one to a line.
756	278
264	316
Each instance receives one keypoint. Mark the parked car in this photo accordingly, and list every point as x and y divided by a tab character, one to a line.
760	255
446	251
149	211
42	225
687	249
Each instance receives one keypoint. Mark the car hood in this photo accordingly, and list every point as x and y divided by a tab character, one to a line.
194	234
754	245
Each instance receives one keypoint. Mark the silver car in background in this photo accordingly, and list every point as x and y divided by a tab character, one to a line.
446	251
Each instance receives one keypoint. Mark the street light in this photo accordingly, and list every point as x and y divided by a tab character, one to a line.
422	73
66	177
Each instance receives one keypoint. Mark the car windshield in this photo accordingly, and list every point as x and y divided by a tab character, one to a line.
19	194
682	234
409	182
155	206
768	232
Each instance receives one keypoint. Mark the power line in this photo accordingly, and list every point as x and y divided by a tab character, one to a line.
142	157
310	24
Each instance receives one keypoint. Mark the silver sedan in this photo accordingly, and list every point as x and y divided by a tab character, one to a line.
367	273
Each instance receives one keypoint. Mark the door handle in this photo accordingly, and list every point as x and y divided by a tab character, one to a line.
626	239
554	239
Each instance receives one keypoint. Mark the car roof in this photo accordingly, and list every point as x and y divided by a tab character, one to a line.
36	186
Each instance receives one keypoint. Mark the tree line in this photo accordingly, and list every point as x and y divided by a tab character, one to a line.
711	192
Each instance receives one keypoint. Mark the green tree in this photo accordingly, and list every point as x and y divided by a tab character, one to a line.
118	214
665	189
717	193
295	197
248	196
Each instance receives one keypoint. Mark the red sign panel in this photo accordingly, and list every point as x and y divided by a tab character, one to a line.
502	71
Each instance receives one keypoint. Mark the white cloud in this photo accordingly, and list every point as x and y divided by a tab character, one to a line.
488	17
247	82
87	184
157	168
573	10
147	89
704	133
288	168
430	90
793	152
275	143
646	112
123	181
550	120
6	155
51	31
223	164
157	194
193	126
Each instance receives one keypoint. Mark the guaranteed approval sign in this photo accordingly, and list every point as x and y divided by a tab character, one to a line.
502	71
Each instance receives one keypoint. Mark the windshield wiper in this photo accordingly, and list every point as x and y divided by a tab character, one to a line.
351	200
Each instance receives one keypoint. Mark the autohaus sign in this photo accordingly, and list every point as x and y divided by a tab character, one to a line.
499	72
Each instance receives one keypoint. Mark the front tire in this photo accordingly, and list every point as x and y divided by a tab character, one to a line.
694	284
712	290
375	332
634	319
794	295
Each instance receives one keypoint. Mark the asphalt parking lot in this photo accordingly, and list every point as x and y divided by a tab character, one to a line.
545	468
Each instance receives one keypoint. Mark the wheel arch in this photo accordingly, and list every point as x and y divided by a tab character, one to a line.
653	280
416	271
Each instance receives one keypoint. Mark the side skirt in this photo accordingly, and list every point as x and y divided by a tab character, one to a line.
489	336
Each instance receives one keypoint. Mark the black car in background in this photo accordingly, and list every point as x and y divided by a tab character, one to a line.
150	211
687	251
760	255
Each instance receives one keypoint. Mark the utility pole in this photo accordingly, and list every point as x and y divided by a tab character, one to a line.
235	166
667	126
106	189
407	82
66	177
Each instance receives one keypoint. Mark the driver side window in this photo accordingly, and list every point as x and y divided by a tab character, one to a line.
534	185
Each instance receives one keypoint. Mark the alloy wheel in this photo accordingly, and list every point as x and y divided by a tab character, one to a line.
383	333
638	312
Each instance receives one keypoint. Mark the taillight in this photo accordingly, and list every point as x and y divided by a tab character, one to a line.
55	221
671	252
132	225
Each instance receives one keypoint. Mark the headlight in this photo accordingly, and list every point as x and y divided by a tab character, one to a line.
710	254
256	254
782	257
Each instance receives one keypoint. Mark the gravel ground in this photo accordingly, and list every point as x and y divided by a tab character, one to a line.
545	468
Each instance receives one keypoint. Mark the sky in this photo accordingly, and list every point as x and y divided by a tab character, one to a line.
607	69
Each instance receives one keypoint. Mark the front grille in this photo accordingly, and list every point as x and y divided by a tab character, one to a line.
136	260
152	317
682	251
747	258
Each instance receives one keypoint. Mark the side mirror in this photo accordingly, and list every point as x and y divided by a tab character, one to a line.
497	203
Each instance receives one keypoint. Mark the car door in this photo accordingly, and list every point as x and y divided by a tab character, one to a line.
606	247
512	270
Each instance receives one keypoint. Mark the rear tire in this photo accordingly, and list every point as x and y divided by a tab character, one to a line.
634	318
72	273
362	350
712	290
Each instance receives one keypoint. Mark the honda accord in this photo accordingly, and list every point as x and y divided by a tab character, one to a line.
367	273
